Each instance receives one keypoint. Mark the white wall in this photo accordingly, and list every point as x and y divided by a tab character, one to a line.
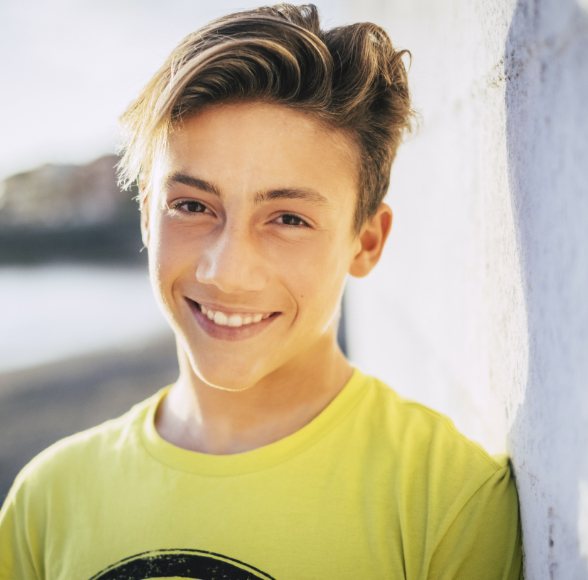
480	305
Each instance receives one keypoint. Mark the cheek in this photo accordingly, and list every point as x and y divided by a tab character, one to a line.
171	241
318	278
168	257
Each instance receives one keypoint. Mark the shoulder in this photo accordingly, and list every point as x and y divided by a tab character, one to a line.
82	452
427	454
448	490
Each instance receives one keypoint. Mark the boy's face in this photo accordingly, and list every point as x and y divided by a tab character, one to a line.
250	217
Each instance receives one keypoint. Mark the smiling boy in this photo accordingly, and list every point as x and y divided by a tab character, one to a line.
262	149
250	206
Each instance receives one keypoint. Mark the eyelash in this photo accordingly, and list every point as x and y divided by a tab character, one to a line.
178	205
302	223
182	205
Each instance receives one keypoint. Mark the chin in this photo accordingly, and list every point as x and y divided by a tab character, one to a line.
222	376
230	385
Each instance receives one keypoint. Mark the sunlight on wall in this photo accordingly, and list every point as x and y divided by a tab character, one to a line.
583	519
450	320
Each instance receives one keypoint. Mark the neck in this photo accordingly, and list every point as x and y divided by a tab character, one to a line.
202	418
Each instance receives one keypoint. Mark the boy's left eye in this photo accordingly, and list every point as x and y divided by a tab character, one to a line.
289	219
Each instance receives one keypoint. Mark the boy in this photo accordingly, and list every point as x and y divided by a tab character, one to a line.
262	149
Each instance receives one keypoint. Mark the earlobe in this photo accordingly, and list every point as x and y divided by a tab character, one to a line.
372	239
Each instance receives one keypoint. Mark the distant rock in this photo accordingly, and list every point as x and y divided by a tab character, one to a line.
71	212
63	195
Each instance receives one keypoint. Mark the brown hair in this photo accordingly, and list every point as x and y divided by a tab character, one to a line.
350	78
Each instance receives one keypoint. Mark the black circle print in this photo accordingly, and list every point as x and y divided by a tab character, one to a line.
180	564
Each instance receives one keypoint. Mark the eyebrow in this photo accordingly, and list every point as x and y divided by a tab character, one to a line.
310	195
201	184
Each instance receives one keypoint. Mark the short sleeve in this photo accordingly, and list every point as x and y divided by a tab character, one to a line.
484	540
16	558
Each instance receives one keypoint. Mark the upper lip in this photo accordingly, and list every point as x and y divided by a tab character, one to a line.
232	309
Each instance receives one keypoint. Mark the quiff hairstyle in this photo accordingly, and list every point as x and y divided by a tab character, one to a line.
349	78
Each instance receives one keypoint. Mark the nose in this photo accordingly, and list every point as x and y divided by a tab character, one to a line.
231	262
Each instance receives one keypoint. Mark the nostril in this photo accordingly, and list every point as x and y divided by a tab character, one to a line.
232	275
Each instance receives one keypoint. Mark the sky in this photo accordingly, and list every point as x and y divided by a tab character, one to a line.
68	68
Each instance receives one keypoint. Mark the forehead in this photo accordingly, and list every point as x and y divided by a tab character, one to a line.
249	146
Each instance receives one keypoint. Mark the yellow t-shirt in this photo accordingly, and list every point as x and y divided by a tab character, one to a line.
375	487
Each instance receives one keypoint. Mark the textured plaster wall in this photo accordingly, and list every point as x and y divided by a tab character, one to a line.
479	307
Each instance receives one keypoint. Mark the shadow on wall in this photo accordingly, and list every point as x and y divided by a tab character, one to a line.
546	70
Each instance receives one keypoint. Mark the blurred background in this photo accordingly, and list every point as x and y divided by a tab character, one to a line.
478	308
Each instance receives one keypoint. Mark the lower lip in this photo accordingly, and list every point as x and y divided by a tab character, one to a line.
229	332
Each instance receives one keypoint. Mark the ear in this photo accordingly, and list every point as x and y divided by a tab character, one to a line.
372	239
144	209
145	225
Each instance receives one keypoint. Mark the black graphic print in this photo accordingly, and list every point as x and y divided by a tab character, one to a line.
182	564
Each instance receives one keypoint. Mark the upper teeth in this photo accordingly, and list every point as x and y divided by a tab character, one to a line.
235	320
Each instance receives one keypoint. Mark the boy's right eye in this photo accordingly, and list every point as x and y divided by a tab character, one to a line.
191	206
188	206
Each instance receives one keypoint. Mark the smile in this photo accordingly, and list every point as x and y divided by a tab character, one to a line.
233	320
227	325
